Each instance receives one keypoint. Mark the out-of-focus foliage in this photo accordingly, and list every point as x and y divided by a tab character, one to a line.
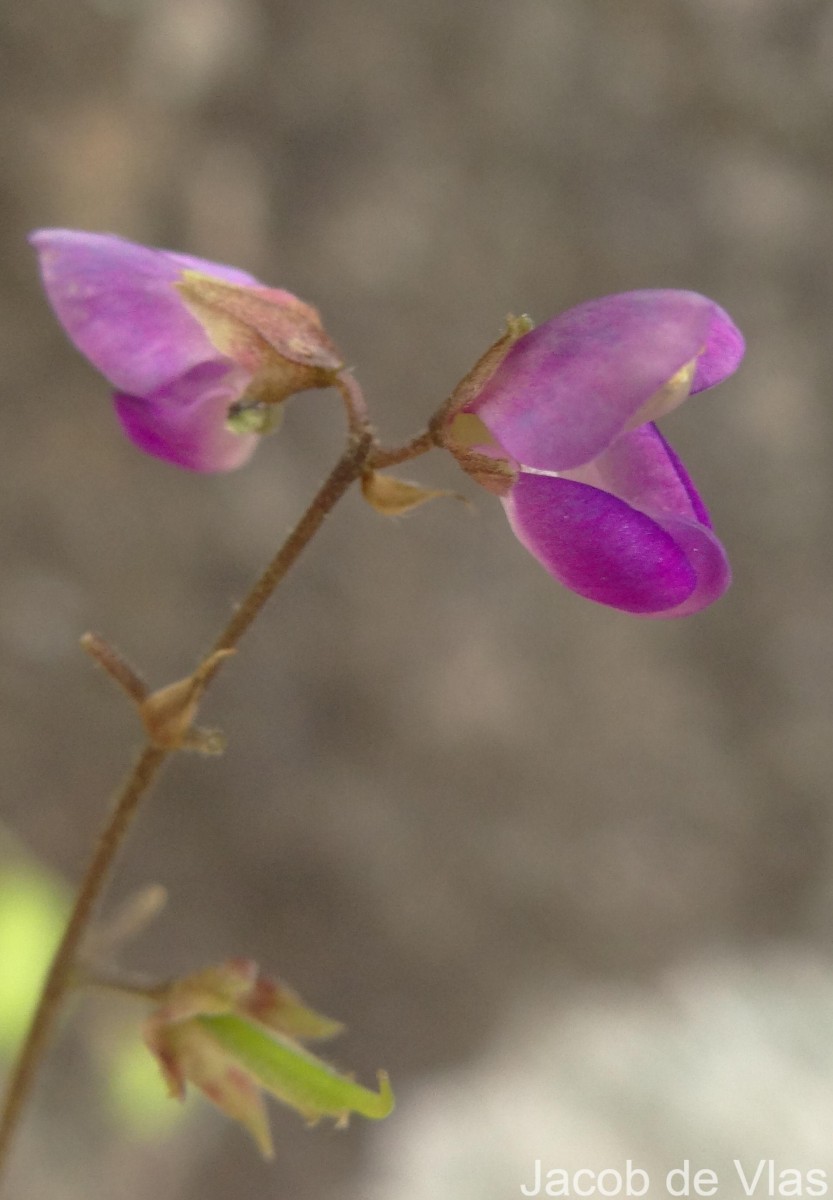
135	1092
33	907
33	904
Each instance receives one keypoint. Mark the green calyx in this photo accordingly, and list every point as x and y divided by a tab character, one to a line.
253	416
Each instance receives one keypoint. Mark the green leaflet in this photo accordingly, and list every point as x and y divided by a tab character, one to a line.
295	1076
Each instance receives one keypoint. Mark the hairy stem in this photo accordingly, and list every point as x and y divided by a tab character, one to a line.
420	444
346	471
110	839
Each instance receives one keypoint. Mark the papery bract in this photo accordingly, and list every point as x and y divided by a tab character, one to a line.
589	485
182	341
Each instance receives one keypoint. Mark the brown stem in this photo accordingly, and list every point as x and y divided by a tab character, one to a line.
117	667
354	403
346	471
110	839
421	444
139	986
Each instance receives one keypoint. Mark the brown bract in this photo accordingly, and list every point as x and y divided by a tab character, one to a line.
269	332
393	497
463	434
168	714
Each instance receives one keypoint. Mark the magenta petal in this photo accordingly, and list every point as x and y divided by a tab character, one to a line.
601	548
642	469
184	422
723	353
567	389
189	262
675	465
117	302
708	559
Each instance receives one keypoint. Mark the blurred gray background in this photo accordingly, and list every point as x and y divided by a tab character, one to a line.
458	801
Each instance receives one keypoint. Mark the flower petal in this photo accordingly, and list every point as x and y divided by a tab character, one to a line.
642	469
189	262
604	549
567	389
184	421
117	302
723	353
598	546
708	560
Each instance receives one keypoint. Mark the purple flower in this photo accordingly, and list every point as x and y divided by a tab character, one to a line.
589	485
186	343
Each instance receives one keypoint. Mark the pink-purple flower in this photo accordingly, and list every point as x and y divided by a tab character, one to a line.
590	487
202	355
184	342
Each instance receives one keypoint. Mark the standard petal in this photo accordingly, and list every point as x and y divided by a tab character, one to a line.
184	422
723	353
190	262
598	546
567	389
117	302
